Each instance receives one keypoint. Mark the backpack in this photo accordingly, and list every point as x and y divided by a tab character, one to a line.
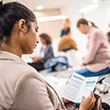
57	63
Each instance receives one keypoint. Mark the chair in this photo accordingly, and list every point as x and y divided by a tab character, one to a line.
105	80
106	83
102	77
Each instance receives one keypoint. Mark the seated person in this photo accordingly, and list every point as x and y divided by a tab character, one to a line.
66	42
21	87
97	61
46	53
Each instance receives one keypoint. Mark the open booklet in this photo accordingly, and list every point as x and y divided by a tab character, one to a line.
79	86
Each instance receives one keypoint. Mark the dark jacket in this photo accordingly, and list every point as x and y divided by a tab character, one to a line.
48	52
42	63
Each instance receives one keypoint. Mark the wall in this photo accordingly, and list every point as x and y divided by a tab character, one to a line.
72	12
100	16
53	28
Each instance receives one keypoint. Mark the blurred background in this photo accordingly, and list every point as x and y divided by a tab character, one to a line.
52	13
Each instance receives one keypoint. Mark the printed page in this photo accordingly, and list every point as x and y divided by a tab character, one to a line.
88	86
73	88
78	87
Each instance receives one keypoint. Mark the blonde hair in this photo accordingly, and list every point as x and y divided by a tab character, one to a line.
67	23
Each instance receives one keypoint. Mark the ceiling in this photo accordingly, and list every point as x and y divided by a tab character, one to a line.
48	4
52	4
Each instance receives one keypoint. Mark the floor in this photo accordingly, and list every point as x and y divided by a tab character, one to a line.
105	97
59	79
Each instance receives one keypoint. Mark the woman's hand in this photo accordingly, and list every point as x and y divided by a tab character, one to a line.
88	104
65	100
83	65
36	58
68	104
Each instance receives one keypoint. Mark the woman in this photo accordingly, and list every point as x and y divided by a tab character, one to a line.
39	63
66	43
97	61
21	87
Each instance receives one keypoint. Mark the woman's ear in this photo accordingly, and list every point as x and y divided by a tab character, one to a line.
22	26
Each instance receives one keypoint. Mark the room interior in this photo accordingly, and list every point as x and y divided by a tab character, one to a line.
51	15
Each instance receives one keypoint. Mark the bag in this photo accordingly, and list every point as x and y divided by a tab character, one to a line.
98	104
105	106
57	63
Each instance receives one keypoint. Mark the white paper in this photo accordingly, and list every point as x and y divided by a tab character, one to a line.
79	86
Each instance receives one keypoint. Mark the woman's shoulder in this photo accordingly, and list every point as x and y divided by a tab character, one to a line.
21	71
27	70
27	73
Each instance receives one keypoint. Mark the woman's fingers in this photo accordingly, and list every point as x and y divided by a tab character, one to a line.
88	104
83	99
93	99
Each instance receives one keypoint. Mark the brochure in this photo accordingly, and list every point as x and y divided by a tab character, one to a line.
79	86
